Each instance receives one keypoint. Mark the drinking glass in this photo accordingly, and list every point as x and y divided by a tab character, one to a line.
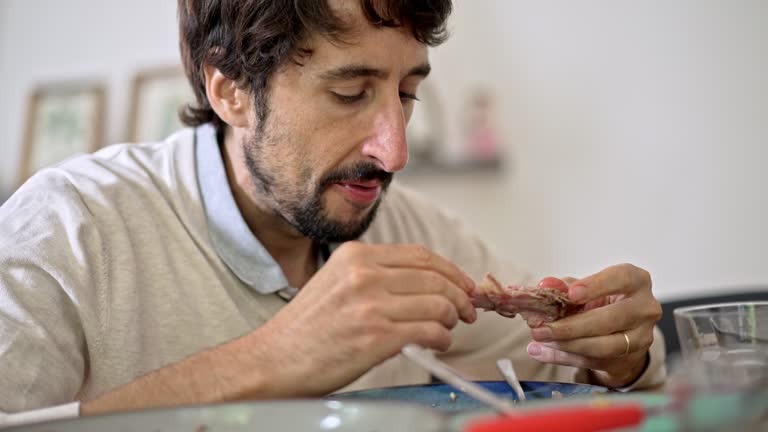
722	379
729	339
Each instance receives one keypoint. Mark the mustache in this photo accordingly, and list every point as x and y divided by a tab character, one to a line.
362	171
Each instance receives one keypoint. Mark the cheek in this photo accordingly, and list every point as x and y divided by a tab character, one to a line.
304	170
326	149
305	176
309	143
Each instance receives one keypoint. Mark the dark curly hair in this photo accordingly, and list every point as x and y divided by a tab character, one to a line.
247	40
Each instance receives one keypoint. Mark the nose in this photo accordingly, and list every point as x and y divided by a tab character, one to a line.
387	143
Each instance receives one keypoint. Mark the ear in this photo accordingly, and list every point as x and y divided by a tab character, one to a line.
231	103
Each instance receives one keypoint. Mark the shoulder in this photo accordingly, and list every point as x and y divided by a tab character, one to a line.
127	163
86	188
115	173
41	227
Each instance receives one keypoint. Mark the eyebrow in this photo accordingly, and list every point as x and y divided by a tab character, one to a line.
353	71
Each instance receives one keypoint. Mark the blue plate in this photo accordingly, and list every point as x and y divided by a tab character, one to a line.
440	395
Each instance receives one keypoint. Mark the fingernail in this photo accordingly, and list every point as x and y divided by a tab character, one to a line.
578	293
542	334
534	349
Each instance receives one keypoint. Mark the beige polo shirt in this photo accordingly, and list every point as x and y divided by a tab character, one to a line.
121	262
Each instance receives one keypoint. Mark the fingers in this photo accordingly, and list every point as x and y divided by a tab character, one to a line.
596	322
619	298
615	359
428	334
546	354
409	256
611	372
622	278
433	308
610	346
642	310
410	282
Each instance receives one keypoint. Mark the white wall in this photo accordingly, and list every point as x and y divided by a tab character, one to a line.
48	40
637	129
641	132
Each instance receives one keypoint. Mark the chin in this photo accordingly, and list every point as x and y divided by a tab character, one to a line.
352	215
334	219
340	229
352	225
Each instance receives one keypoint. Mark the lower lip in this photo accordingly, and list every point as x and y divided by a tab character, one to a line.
359	194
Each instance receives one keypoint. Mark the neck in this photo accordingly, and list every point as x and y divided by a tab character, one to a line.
295	253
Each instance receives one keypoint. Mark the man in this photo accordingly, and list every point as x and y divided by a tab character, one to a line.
223	263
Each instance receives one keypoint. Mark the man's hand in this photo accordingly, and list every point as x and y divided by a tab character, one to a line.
618	301
360	309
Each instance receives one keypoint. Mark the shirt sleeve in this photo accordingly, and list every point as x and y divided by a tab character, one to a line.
42	343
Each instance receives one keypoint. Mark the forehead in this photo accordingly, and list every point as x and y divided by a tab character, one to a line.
347	10
364	43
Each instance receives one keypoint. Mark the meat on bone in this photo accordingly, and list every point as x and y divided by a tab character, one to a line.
536	305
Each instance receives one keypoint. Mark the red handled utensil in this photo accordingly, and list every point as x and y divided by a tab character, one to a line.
594	417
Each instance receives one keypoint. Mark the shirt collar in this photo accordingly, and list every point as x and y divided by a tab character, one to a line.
240	250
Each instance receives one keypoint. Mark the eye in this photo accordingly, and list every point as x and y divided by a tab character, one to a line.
408	96
349	99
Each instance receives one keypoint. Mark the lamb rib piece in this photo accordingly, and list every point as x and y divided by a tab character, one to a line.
536	305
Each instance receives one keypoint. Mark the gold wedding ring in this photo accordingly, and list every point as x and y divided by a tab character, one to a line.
626	351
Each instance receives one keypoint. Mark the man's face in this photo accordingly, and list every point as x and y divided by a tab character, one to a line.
335	129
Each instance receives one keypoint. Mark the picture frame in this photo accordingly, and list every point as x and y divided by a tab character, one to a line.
157	96
62	119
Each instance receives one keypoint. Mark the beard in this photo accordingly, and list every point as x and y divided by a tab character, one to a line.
311	218
305	211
